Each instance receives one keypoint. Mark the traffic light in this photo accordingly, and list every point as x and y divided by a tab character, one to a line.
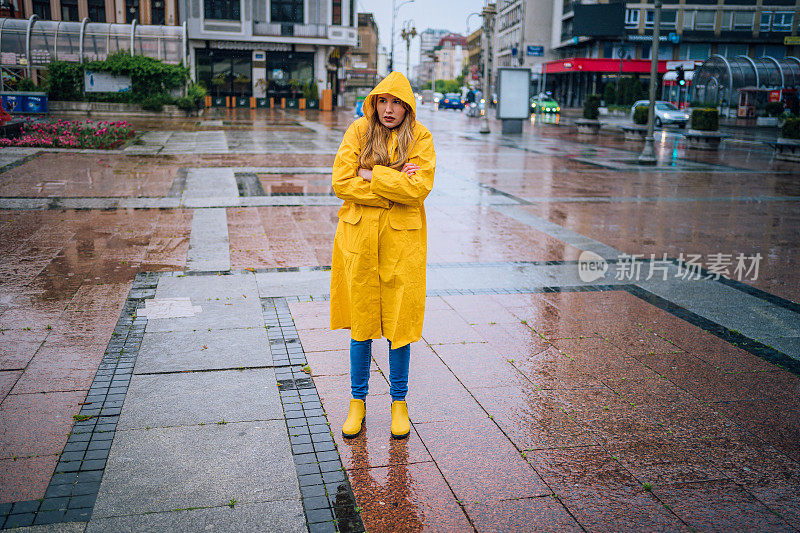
681	78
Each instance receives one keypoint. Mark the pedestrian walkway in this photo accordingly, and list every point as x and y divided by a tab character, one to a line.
582	368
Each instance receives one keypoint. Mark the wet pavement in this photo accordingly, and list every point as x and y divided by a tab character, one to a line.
155	297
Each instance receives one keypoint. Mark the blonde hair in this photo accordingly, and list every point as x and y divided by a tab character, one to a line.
375	150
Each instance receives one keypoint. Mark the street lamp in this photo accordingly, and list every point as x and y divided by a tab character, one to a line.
407	33
648	155
488	14
394	16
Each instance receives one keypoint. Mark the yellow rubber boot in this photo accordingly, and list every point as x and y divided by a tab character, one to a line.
400	424
356	415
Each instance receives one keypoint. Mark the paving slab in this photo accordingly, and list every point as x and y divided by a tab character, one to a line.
209	248
183	399
207	286
162	469
282	515
179	351
222	314
63	527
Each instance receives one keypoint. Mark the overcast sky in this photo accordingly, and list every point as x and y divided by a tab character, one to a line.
437	14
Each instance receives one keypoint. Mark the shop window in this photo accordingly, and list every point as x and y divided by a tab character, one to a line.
69	10
41	8
782	21
699	51
631	18
222	9
766	21
777	51
158	13
97	10
353	16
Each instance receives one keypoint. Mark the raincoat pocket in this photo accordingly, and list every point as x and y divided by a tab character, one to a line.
350	213
403	217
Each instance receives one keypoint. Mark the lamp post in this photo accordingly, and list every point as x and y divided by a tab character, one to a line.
395	9
648	155
488	14
407	33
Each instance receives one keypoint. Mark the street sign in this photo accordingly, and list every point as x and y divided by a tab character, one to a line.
687	65
513	93
513	51
789	40
674	38
537	51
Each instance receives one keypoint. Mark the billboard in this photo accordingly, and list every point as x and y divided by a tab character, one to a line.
599	20
513	93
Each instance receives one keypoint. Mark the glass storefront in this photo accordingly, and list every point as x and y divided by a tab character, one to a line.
229	72
225	72
288	69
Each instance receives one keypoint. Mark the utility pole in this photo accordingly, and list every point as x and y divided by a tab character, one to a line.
648	155
488	14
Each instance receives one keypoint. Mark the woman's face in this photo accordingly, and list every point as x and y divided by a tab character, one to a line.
390	110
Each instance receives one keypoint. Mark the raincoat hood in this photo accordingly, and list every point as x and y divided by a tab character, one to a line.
395	84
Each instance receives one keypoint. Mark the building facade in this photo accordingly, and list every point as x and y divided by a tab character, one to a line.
428	40
689	31
475	57
361	61
270	49
148	12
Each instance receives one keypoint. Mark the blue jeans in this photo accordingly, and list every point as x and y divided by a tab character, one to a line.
360	358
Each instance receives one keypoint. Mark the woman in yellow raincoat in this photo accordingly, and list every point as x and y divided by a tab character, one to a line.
383	171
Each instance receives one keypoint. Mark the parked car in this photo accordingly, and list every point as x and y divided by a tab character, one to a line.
544	104
452	101
666	113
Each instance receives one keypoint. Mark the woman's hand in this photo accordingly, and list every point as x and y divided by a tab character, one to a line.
365	174
410	168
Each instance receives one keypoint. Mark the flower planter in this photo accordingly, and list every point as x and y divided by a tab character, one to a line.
634	132
263	102
218	101
312	104
703	140
787	150
587	126
292	103
242	101
11	129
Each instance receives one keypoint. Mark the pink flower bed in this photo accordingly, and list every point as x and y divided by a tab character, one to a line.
104	134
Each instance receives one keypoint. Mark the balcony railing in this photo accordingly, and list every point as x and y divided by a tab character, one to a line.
286	29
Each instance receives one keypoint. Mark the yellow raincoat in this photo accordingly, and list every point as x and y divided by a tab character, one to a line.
380	247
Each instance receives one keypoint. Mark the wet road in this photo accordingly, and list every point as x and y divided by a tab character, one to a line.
538	399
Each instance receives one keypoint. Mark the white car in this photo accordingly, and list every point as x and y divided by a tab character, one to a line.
666	113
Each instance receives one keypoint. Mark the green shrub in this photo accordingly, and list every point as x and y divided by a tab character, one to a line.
610	94
773	109
186	103
148	76
26	85
640	115
310	91
591	107
791	128
65	81
155	102
705	119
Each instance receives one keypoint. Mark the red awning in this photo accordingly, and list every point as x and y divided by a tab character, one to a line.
591	64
